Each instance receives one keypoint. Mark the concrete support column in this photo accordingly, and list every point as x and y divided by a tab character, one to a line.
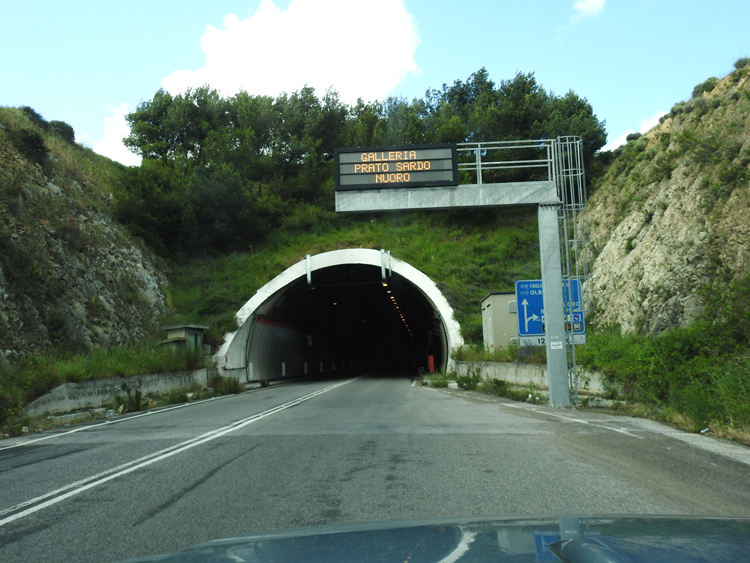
554	311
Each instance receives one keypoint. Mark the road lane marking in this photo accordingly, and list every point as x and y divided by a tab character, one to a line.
109	422
78	487
571	419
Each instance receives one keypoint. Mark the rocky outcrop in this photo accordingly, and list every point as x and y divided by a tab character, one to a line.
70	276
671	217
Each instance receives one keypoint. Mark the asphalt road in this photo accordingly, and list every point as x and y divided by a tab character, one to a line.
369	449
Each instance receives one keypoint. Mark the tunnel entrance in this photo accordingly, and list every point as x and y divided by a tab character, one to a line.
355	310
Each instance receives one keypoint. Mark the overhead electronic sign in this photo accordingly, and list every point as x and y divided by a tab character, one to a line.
378	168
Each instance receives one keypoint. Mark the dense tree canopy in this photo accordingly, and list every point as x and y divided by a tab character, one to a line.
220	173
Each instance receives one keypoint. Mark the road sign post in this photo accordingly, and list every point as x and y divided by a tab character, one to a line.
549	253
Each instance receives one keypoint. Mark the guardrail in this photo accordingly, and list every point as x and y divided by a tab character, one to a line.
486	157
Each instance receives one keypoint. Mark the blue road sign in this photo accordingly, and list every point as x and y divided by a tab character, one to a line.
530	302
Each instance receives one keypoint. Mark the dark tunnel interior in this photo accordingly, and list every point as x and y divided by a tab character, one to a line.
351	311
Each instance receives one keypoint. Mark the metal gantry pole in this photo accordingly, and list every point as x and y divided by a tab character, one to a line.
554	314
574	240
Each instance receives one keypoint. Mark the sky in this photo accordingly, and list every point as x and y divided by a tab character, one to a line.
89	62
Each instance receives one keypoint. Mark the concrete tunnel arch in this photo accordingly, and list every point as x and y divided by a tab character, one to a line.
268	345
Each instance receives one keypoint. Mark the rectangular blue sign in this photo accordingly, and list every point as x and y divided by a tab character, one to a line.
530	303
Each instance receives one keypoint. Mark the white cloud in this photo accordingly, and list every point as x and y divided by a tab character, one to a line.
587	8
360	49
646	126
651	122
618	142
115	130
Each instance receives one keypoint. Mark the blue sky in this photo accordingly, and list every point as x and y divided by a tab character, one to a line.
88	62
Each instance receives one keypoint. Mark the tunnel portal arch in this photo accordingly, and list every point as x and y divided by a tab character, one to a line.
307	321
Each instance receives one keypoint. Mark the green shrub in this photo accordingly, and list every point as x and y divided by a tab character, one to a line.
225	385
437	380
36	119
175	396
30	143
528	354
706	86
470	380
734	174
700	371
495	386
501	388
733	390
678	108
64	131
742	62
133	399
32	376
513	353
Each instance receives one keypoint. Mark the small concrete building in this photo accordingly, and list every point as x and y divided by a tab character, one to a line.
190	335
499	319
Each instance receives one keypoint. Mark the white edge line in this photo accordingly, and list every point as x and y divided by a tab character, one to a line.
571	419
108	422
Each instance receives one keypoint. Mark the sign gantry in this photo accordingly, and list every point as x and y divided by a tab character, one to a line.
427	177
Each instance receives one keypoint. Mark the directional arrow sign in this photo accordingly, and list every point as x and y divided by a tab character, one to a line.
531	311
530	315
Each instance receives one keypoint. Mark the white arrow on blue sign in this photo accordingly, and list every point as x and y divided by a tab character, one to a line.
530	300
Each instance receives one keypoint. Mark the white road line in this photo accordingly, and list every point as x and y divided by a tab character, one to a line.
78	487
571	419
110	422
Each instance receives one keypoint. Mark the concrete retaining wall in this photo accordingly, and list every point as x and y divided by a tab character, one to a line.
93	394
522	375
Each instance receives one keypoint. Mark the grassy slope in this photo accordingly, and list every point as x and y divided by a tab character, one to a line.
468	254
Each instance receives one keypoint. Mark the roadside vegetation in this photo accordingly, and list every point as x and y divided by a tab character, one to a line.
473	381
129	400
33	375
697	377
513	353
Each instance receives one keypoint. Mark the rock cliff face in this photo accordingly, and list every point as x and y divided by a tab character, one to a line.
70	276
672	214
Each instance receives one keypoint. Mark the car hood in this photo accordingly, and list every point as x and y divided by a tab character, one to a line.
571	539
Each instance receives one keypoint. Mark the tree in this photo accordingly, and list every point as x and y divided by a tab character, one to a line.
218	173
176	128
64	131
153	203
365	123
